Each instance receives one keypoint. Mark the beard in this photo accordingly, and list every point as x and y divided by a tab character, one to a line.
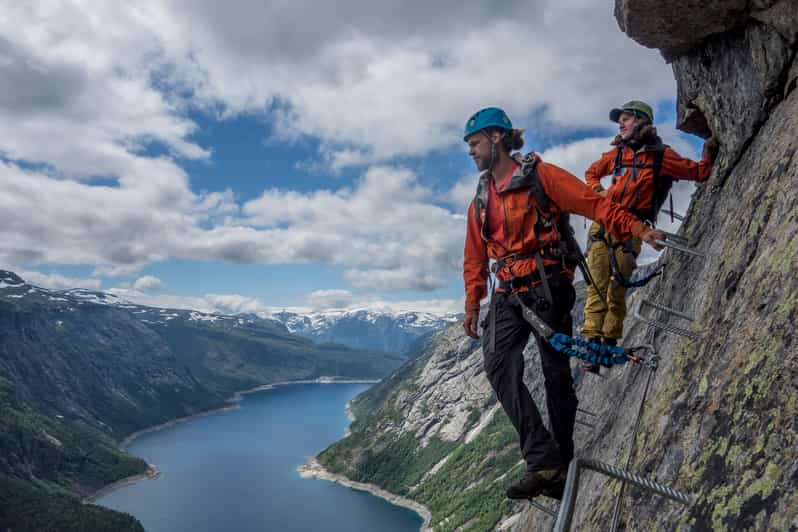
482	163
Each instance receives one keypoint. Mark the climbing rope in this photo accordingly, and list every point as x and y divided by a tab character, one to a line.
607	355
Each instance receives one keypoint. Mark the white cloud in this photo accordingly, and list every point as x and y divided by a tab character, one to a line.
209	303
57	281
461	194
92	94
320	300
332	298
369	79
147	283
385	230
233	303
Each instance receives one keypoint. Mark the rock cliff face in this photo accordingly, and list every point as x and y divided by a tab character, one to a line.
721	419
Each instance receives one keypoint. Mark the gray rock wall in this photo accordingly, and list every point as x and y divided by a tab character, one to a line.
722	417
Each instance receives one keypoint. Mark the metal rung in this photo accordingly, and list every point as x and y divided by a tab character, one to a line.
663	308
675	215
683	249
586	412
665	326
585	423
677	239
543	509
566	511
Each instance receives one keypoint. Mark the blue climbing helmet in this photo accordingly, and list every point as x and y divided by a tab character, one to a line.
485	118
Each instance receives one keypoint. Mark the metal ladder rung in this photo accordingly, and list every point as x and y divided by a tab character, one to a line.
683	249
677	239
665	326
566	511
663	308
675	215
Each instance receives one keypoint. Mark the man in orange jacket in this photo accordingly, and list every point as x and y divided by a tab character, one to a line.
508	224
642	168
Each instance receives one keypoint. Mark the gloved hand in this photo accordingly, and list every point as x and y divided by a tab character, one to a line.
711	148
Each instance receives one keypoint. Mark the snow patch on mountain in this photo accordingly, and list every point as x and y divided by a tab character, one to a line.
366	328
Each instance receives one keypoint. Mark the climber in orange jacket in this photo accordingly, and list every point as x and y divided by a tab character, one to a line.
642	170
507	224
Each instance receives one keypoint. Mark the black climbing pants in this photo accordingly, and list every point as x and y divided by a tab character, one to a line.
505	370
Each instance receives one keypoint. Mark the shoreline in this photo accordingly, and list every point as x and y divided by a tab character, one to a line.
313	469
153	472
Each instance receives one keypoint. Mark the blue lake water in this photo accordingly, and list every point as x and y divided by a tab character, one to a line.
237	470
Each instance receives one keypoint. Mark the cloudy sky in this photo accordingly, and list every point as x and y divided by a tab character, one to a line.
255	154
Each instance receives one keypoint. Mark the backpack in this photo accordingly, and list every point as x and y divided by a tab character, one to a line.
662	185
568	247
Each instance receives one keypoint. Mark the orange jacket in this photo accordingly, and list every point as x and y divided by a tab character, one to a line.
633	186
566	193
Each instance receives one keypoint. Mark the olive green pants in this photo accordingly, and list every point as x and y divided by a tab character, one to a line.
600	319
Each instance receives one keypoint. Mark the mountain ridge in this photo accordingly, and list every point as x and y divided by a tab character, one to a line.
80	370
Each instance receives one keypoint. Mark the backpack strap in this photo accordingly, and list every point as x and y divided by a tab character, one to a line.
543	203
657	164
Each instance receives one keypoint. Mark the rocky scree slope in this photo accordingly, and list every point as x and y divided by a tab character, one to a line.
721	419
81	370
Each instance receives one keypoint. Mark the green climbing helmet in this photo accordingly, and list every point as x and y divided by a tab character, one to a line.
485	118
635	107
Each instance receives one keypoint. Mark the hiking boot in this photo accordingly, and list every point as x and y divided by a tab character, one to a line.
592	367
557	487
549	482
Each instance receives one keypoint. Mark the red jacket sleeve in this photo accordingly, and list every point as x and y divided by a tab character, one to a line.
599	169
475	263
571	195
680	167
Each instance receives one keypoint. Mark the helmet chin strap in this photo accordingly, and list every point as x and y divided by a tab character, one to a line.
493	152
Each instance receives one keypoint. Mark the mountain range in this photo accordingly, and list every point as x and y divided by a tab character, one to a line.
384	330
80	370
